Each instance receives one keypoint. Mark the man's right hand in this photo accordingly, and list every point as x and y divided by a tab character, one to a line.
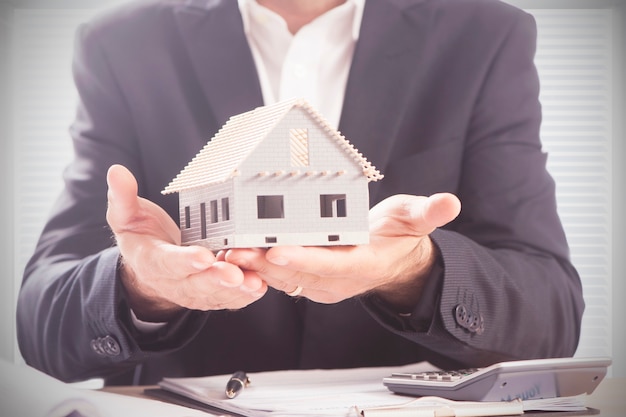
161	276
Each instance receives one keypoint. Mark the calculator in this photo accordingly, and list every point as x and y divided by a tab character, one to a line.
506	381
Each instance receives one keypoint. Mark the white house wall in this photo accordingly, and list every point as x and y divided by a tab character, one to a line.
268	171
216	231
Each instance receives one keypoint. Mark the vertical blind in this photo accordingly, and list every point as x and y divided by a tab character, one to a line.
574	63
43	105
575	67
44	100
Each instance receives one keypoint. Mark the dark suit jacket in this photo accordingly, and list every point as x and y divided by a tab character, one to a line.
442	96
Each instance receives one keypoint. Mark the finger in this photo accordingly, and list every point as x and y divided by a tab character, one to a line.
220	273
253	284
400	205
248	258
251	287
254	259
255	263
122	197
203	292
151	257
127	212
309	263
413	215
231	276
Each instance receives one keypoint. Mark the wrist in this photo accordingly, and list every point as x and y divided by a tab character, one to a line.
146	305
406	287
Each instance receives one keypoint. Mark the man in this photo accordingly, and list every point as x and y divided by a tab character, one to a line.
441	95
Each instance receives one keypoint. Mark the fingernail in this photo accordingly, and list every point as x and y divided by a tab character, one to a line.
200	265
248	289
227	284
279	260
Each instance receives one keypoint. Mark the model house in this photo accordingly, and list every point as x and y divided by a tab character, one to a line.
276	175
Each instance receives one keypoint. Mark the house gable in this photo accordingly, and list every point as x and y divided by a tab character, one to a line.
222	156
299	144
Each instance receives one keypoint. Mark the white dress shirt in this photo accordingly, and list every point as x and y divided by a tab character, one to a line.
312	64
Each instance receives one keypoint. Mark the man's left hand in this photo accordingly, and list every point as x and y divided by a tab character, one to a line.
393	265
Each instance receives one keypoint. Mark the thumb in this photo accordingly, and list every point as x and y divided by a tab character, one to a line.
440	209
418	215
123	203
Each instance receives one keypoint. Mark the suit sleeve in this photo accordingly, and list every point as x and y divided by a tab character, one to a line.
505	288
72	318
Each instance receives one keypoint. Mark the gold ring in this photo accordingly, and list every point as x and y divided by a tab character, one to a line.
295	292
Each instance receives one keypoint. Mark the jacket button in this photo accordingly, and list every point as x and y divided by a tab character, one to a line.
110	346
105	346
97	347
460	313
477	325
469	320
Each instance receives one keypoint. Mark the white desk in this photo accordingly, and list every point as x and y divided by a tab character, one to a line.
610	398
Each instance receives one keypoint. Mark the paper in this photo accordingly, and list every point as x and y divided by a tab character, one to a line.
440	407
344	392
292	393
575	403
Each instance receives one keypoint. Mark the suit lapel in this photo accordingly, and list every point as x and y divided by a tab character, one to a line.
218	49
384	75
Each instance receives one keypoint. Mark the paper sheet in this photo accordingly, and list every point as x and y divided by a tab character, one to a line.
311	392
343	392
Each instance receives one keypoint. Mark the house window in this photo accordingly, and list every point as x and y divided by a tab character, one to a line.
203	220
333	205
225	209
270	207
213	211
299	145
187	217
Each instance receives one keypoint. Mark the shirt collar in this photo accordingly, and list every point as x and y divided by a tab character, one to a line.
356	22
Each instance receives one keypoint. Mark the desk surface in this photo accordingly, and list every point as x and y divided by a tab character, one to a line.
609	397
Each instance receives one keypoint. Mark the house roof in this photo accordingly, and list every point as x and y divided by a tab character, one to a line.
219	159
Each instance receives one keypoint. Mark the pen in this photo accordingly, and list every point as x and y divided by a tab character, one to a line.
236	384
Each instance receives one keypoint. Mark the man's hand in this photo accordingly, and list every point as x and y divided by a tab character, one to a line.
161	276
393	265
